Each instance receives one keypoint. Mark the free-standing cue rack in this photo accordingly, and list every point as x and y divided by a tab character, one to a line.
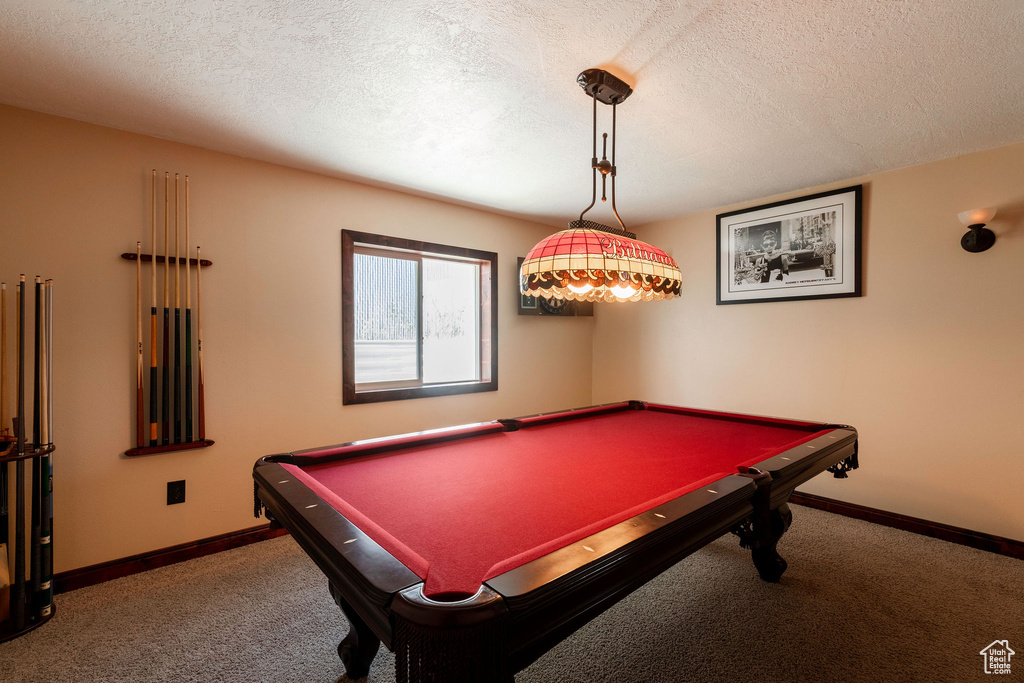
26	565
170	425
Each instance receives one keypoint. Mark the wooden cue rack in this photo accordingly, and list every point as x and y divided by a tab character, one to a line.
10	627
172	393
26	465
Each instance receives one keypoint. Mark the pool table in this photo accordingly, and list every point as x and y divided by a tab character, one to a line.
472	550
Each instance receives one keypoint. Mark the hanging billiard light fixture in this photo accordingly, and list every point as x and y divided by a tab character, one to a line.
591	261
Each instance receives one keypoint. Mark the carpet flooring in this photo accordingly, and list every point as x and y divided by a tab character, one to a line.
859	602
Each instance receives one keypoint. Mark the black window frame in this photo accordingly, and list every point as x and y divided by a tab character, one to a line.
488	318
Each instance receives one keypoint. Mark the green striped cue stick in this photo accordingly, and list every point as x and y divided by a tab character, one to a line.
153	428
5	569
199	345
18	587
166	393
37	475
177	320
45	598
188	325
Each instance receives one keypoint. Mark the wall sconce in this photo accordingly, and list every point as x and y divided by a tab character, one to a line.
978	238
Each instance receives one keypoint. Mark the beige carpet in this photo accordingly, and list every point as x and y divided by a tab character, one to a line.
859	603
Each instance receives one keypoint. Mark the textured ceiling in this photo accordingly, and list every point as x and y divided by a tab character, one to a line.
476	102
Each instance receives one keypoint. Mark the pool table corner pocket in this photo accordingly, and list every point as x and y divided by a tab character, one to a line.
459	641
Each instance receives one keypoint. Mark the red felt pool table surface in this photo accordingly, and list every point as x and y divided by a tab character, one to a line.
461	512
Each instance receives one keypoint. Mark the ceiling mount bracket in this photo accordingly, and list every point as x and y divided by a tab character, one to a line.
603	86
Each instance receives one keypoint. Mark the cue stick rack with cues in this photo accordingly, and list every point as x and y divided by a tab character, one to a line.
26	555
174	421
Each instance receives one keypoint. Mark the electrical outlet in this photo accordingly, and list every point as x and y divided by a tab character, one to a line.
175	492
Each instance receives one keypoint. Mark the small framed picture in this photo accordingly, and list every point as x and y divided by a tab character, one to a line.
804	248
535	305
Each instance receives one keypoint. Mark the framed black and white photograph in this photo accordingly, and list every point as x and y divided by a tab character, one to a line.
803	248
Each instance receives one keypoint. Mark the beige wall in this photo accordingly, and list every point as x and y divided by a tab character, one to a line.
928	364
74	196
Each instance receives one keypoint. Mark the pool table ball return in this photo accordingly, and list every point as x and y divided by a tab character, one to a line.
471	551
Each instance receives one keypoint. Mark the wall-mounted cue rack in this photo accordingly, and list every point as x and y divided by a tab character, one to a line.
26	557
176	422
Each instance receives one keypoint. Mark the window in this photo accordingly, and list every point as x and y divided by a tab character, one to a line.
418	319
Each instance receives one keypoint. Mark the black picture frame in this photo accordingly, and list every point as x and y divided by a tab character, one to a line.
798	249
531	305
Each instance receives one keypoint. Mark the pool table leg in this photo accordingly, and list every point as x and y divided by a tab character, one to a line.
360	646
770	565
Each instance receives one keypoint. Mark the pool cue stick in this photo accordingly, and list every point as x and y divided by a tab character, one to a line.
4	515
44	595
18	587
199	345
166	393
4	427
188	326
46	528
177	320
19	425
153	402
140	390
36	511
35	383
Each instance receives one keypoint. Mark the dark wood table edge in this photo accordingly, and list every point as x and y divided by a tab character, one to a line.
366	574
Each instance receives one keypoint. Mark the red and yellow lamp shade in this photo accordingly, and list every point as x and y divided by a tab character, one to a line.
581	264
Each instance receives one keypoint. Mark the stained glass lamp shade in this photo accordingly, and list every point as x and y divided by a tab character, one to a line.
586	264
591	261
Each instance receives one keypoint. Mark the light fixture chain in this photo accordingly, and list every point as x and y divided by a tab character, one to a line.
614	210
614	109
593	164
604	174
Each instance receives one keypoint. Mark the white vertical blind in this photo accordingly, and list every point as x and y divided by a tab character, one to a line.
385	318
